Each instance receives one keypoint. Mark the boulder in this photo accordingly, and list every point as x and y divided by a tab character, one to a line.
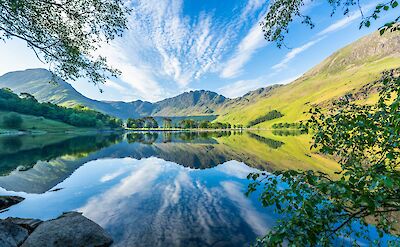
28	224
12	235
70	229
8	201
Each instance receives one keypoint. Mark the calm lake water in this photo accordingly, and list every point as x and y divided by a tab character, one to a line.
153	189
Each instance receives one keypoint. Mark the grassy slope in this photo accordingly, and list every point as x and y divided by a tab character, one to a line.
317	86
39	123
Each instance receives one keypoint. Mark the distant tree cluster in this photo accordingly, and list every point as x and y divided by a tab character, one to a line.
167	123
269	116
79	116
146	122
287	126
192	124
12	121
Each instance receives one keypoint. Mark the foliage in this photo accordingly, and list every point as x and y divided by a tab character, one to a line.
66	33
286	126
146	122
12	121
296	126
79	116
318	209
282	12
167	123
191	124
269	116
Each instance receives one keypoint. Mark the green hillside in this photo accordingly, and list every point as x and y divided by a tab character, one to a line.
34	123
47	88
347	70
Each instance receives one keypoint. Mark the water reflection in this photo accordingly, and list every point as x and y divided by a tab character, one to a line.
153	188
23	152
152	202
41	162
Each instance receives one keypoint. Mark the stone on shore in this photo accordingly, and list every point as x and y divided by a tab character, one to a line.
12	235
70	229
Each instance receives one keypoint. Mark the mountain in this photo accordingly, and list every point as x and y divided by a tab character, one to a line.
346	71
46	88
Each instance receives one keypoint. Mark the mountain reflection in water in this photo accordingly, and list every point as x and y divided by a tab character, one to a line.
151	188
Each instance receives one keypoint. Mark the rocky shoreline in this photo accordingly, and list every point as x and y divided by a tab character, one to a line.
71	229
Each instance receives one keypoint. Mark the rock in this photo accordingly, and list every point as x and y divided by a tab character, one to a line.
8	201
28	224
12	235
70	229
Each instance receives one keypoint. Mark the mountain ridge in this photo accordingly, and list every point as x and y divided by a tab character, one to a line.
48	88
346	70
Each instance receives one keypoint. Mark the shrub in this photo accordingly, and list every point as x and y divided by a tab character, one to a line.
12	121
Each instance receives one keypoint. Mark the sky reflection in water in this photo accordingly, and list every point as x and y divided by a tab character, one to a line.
154	202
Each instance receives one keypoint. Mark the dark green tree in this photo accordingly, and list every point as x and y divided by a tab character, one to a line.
167	123
66	33
12	121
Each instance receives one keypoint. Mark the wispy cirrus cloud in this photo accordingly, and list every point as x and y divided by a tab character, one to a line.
241	87
294	52
253	41
164	48
336	26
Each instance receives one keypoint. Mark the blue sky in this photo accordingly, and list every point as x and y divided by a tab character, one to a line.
173	46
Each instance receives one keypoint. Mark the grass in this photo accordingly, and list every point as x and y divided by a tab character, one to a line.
34	123
296	98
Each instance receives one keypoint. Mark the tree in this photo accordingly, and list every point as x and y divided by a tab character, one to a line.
66	33
167	123
282	12
317	208
12	121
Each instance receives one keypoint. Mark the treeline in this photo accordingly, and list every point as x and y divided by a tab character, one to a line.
269	116
78	116
287	126
146	122
150	122
192	124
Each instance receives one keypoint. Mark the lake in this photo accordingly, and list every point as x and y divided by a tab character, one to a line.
153	188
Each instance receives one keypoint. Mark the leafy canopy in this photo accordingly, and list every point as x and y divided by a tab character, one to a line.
66	33
317	209
282	12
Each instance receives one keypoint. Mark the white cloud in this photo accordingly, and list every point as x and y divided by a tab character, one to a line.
251	7
342	23
294	52
164	48
288	80
115	85
241	87
253	41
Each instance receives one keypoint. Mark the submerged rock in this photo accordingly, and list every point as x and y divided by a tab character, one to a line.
70	229
12	235
8	201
